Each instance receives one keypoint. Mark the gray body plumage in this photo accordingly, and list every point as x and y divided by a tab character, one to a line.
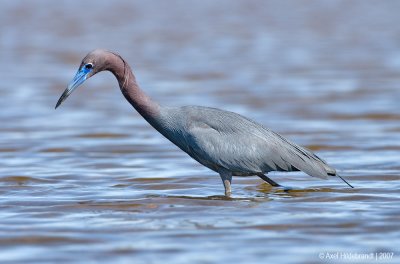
223	140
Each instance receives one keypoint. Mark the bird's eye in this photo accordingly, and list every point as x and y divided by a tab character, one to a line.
88	66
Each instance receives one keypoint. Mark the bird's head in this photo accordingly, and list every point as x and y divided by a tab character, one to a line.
94	62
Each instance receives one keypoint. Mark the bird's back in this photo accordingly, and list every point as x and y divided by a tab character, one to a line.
222	139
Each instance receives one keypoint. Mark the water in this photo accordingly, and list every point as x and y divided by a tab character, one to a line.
93	182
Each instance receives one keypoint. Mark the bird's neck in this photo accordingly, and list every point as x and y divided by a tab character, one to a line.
146	107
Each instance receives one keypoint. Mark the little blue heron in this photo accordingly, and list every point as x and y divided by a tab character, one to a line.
225	142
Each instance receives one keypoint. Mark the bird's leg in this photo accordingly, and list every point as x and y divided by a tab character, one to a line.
226	177
265	178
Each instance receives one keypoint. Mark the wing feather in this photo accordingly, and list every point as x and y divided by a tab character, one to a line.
218	138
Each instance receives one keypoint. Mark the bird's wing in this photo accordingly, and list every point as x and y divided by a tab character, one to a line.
230	150
303	159
239	144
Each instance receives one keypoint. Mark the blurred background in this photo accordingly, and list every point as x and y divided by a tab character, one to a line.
93	182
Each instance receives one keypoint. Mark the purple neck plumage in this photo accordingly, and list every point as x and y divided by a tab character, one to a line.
131	90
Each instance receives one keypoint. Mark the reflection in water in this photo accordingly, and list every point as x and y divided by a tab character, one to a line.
93	182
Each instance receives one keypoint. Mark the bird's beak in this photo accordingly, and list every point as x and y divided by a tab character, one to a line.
79	78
